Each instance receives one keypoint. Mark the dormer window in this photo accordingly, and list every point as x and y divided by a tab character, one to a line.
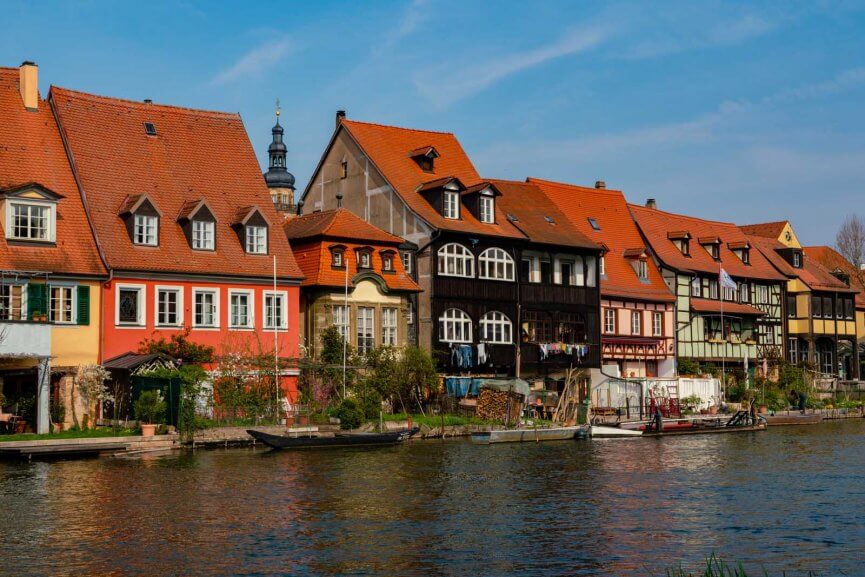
203	235
712	246
487	208
146	230
451	207
681	240
741	249
642	269
387	261
424	157
30	213
198	224
256	239
364	258
797	259
745	255
337	257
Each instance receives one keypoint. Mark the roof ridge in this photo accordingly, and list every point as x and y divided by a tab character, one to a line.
125	103
393	126
535	180
685	216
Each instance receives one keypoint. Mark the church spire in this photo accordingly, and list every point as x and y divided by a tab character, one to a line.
278	179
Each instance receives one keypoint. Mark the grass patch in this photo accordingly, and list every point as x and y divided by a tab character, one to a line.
433	421
716	567
72	434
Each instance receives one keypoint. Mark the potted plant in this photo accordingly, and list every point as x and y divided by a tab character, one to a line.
149	409
36	316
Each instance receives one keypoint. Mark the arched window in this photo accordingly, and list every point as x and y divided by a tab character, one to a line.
455	326
456	260
496	327
495	264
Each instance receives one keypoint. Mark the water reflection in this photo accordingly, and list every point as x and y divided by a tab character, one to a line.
785	499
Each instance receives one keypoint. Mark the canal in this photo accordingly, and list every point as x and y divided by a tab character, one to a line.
787	499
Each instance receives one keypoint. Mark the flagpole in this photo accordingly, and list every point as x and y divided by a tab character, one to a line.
723	334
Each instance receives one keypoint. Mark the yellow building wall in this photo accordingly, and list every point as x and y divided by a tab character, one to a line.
793	241
74	345
860	324
798	327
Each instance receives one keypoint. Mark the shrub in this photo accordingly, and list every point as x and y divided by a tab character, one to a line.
688	366
149	408
349	413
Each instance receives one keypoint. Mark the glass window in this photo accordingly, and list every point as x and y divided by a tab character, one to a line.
610	321
456	260
729	294
363	259
496	327
594	224
643	269
406	262
579	272
571	329
791	306
11	302
713	289
340	320
793	350
205	313
696	287
146	232
488	214
744	293
537	327
636	323
455	326
566	272
546	271
797	259
256	239
590	271
602	267
658	324
849	308
816	306
451	205
387	262
365	329
337	256
31	221
241	310
168	310
60	308
495	264
275	311
762	294
130	306
388	326
202	235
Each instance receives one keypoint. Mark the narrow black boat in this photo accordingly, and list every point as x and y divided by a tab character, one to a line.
337	440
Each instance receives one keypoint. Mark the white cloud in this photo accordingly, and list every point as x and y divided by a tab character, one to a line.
843	81
255	61
415	14
447	83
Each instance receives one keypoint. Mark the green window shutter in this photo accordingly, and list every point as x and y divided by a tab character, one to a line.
37	299
83	305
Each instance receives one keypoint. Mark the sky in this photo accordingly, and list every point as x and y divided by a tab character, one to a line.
744	112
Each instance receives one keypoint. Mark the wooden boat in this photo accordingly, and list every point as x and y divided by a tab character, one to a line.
602	432
738	423
707	429
793	419
530	435
337	440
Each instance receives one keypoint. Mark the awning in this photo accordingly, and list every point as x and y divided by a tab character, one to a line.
131	361
712	306
515	385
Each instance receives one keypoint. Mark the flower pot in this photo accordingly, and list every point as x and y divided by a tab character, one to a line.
289	420
713	410
148	430
303	420
764	409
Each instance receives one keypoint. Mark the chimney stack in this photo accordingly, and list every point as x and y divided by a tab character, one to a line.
600	184
650	203
340	116
28	84
148	101
339	200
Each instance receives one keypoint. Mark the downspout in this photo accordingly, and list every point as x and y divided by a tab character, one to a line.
56	113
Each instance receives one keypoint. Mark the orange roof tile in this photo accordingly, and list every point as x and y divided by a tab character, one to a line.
337	224
31	151
833	260
656	224
617	232
715	306
812	273
195	155
765	229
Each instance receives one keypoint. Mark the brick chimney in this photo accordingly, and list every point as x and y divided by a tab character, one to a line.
600	184
340	116
651	203
28	84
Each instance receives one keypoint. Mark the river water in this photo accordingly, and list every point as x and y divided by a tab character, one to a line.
790	498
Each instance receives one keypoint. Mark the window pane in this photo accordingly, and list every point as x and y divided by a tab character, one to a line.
128	306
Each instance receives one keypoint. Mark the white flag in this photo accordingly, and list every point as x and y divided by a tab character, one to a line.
726	281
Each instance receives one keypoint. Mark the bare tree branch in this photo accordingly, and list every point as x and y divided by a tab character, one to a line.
850	243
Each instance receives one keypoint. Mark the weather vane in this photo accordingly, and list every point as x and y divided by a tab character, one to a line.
278	109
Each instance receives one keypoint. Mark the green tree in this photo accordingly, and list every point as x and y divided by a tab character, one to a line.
178	347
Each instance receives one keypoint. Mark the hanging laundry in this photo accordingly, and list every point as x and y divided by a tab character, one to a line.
482	354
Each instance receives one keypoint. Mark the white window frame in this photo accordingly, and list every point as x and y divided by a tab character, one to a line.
558	277
602	264
73	302
50	224
590	278
696	287
337	258
763	295
142	305
637	323
496	328
389	326
180	310
487	209
387	257
459	256
643	269
215	293
22	309
283	320
451	205
406	261
460	324
657	324
729	294
714	289
203	235
610	320
744	292
256	243
497	260
340	317
797	259
250	309
141	228
365	328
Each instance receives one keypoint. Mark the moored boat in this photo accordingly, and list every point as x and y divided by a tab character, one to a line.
530	435
337	440
602	432
793	419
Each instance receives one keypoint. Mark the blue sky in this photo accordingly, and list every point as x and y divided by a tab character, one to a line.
735	111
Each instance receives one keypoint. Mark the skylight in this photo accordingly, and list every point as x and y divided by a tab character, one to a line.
594	223
549	219
150	128
513	218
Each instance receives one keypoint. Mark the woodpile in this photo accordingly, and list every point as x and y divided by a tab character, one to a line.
494	405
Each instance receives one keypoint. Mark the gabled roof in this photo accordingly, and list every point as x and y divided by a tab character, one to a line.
337	224
656	225
196	154
538	217
134	201
389	148
716	306
32	154
765	229
617	233
832	260
812	273
190	208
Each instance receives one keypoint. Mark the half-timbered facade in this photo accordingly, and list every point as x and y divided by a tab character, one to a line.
637	308
715	324
503	294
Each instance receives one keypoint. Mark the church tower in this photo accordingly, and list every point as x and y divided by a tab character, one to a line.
278	179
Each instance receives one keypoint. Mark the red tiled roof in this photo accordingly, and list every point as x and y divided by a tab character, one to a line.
656	224
713	306
832	260
765	229
389	147
31	151
618	233
538	217
812	273
196	155
337	224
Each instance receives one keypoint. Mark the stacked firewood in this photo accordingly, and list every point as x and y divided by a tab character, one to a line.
495	405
